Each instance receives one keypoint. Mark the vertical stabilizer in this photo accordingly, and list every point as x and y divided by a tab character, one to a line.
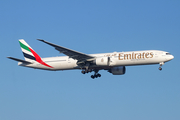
29	54
27	51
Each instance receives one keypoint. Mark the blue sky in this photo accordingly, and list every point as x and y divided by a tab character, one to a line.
96	26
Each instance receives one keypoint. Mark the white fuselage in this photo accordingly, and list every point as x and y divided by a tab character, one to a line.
116	59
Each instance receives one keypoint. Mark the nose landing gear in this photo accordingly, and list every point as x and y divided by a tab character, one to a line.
160	67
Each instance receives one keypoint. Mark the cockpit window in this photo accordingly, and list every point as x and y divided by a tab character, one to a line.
168	54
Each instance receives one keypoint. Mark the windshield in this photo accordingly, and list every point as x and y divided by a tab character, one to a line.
168	54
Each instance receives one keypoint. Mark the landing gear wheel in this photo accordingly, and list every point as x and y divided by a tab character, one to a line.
99	75
83	72
92	76
86	71
95	76
160	68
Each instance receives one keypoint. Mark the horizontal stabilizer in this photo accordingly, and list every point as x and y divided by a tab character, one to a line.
19	60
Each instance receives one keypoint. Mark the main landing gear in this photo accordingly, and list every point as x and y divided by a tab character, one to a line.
96	74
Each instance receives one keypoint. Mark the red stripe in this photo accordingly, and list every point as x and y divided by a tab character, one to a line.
38	58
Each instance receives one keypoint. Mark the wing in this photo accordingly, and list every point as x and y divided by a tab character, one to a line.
71	53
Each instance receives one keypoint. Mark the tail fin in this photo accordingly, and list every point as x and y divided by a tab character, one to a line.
29	54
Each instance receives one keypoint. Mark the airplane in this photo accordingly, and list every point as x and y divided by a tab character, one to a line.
114	62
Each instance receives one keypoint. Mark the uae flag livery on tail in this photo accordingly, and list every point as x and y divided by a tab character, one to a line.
30	55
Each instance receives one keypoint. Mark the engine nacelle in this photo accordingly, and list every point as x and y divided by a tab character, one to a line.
118	70
102	61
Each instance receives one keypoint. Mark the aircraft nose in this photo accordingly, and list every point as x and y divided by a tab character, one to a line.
171	57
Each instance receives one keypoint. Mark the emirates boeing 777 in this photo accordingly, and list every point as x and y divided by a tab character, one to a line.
114	63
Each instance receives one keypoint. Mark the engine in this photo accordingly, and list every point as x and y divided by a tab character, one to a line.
118	70
103	61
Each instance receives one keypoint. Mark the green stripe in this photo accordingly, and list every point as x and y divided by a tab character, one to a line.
24	47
